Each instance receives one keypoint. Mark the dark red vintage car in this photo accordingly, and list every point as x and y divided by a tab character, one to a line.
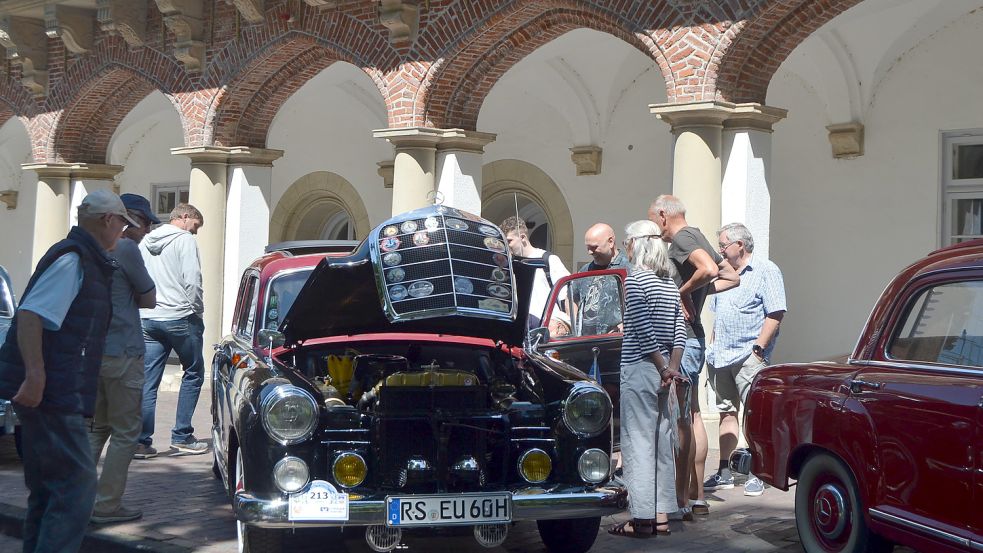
887	446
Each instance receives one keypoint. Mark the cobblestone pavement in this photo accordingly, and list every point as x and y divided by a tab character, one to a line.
186	509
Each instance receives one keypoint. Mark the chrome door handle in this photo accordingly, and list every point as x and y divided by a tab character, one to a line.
858	386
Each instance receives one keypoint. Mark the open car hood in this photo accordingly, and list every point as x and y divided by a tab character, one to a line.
434	270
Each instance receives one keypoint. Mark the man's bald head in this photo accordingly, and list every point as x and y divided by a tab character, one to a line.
601	244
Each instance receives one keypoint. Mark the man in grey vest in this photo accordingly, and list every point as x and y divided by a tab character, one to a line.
49	368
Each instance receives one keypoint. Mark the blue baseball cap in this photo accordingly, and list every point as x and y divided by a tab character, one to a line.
140	204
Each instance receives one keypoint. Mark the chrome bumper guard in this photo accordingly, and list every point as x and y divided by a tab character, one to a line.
740	461
559	502
8	419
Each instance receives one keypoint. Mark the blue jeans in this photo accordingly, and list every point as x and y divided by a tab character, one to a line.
694	356
184	336
61	475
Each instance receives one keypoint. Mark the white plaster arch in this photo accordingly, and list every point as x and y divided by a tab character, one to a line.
512	176
142	144
326	126
317	193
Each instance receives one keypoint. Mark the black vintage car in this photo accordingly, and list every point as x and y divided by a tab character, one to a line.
399	390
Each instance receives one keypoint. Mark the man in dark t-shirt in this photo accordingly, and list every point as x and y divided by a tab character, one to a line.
598	300
701	270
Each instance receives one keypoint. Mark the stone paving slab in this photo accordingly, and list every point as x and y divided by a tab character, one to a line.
186	509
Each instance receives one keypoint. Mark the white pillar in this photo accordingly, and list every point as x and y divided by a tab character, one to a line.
459	162
247	215
61	187
745	196
414	166
428	161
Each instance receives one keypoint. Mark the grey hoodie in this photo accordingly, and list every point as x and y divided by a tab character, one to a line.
171	256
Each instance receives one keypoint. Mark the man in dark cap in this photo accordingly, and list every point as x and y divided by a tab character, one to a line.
49	368
118	417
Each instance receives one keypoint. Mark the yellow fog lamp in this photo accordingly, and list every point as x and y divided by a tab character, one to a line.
349	470
535	466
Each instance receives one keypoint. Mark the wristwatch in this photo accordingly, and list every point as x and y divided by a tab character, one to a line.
758	350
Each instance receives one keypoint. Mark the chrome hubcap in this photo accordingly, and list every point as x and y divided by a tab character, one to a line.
829	511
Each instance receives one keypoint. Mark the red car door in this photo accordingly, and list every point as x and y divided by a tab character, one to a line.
922	391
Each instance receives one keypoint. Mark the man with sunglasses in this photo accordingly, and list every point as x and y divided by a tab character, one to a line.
118	417
744	333
49	368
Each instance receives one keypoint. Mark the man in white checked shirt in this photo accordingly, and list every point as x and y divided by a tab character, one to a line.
744	333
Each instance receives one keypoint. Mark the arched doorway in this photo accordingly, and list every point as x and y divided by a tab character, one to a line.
511	183
319	206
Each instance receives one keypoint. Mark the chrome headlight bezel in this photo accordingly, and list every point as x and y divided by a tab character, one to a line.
606	462
522	458
281	465
344	455
577	392
304	430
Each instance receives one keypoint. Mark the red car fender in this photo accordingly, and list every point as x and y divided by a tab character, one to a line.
795	411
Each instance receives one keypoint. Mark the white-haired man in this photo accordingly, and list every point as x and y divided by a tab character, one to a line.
700	271
744	333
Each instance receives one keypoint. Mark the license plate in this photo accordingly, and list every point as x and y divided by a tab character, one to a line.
437	510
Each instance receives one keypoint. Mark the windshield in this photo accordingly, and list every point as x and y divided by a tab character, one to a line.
283	290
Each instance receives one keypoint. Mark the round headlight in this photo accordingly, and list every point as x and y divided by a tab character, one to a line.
349	470
289	415
535	466
593	466
587	410
291	474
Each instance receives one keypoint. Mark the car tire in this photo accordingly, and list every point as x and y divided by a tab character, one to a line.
575	535
252	539
829	513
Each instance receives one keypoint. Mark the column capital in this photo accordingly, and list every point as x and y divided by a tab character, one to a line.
442	139
92	171
719	114
229	155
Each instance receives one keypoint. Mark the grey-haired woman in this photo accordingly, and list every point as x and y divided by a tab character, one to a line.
654	338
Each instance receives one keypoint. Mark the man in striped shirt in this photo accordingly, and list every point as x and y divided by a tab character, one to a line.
744	333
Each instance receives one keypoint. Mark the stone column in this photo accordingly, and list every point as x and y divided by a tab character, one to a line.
414	166
248	211
208	192
745	197
459	162
54	210
88	178
696	169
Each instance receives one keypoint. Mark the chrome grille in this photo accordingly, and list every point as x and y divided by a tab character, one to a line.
439	261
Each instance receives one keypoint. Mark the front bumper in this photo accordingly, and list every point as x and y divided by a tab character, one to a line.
556	503
8	419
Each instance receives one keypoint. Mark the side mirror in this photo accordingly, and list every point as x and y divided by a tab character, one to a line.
270	338
537	336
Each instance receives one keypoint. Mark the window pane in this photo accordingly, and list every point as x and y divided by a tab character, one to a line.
944	325
968	162
251	310
6	310
165	201
184	196
282	293
967	217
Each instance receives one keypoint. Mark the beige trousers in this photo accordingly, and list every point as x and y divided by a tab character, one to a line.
117	419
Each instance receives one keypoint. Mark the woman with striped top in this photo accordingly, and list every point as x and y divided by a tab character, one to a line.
654	337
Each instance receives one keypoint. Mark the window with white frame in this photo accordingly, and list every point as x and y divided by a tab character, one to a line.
962	186
165	198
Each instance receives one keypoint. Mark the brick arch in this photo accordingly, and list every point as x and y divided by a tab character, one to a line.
256	74
97	91
756	47
454	88
15	101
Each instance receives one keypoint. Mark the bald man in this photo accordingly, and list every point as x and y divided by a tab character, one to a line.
598	306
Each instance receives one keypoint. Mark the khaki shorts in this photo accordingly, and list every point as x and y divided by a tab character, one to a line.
731	383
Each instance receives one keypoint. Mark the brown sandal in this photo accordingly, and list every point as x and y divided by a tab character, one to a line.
639	529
